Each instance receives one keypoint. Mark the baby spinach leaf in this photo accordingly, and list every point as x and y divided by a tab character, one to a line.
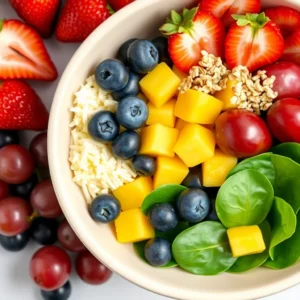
283	222
288	252
287	180
172	234
261	163
291	150
203	249
163	194
249	262
244	199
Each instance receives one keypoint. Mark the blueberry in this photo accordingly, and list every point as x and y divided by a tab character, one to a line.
158	252
63	293
132	113
24	189
144	165
194	179
193	205
163	217
161	43
126	145
103	126
44	231
212	215
8	137
123	51
131	89
15	243
143	56
105	208
111	75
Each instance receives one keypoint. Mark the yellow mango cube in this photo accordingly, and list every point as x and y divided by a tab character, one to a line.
160	85
195	144
180	123
246	240
216	169
163	115
133	226
132	194
226	94
197	107
142	97
181	75
169	170
158	140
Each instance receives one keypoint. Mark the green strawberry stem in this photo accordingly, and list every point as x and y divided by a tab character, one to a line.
1	24
110	9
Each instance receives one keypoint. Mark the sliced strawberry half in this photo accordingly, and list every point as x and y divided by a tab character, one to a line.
254	41
292	48
23	53
288	19
191	33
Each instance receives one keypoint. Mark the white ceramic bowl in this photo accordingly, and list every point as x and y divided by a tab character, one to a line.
141	19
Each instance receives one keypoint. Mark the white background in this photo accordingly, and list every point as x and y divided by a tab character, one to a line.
15	283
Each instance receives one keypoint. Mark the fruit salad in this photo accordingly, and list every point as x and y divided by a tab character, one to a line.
189	142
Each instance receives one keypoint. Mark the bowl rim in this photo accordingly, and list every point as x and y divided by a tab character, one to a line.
133	276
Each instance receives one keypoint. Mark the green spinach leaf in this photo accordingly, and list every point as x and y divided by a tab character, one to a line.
244	199
203	249
283	222
163	194
291	150
172	234
261	163
249	262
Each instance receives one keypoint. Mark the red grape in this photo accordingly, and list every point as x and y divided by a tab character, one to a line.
50	267
4	189
90	270
43	199
38	149
14	216
16	164
68	238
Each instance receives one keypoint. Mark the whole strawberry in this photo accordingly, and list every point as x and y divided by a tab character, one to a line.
40	14
118	4
21	108
79	18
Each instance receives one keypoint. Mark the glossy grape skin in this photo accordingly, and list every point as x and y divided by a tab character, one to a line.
62	293
16	164
50	268
68	238
15	243
8	137
4	189
24	189
38	150
14	216
90	270
44	231
43	199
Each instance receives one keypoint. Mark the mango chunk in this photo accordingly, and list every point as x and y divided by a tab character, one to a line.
142	97
160	85
195	144
132	195
226	94
216	169
180	123
246	240
163	115
169	170
181	75
197	107
158	140
133	226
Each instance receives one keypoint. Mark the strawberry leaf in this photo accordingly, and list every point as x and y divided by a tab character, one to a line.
189	14
1	24
176	17
169	29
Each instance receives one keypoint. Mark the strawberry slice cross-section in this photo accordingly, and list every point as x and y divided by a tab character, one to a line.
23	54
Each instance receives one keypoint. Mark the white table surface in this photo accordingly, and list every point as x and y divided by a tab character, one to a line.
15	283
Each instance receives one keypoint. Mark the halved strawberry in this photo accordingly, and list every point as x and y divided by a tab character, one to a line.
292	48
23	53
288	19
254	41
224	9
191	33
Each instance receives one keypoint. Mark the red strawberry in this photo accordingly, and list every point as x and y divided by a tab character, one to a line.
292	48
21	108
79	18
191	33
254	41
224	9
118	4
23	53
40	14
288	19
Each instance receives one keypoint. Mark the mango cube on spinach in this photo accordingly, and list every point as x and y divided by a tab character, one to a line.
246	240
